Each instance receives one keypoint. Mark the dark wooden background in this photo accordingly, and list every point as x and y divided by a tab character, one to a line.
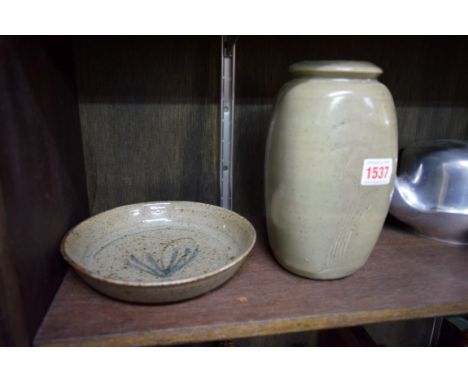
149	110
426	75
42	182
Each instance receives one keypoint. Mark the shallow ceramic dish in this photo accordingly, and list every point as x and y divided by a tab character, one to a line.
159	252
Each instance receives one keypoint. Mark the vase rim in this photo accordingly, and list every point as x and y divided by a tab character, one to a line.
339	68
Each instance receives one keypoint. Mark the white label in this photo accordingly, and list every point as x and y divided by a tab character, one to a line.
376	171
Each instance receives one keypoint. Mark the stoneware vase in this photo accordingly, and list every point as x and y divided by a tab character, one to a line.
330	167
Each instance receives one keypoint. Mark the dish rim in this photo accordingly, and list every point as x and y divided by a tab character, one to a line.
154	284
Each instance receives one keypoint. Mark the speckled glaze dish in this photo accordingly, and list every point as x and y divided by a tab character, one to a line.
160	251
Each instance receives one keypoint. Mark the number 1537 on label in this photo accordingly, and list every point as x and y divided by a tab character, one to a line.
376	171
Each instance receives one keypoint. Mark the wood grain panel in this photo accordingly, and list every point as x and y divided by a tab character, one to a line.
149	117
41	173
406	277
426	75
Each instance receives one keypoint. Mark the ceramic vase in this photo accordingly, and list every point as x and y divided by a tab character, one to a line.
330	167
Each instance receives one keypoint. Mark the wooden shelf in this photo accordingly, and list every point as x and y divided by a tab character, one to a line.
406	277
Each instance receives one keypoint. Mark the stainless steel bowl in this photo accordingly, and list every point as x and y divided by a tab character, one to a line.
431	190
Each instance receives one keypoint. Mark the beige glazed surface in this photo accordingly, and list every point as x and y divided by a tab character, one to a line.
333	115
159	252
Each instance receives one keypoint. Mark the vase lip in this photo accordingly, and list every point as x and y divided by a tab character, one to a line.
338	69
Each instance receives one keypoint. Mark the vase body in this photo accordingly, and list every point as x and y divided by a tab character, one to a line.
330	167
